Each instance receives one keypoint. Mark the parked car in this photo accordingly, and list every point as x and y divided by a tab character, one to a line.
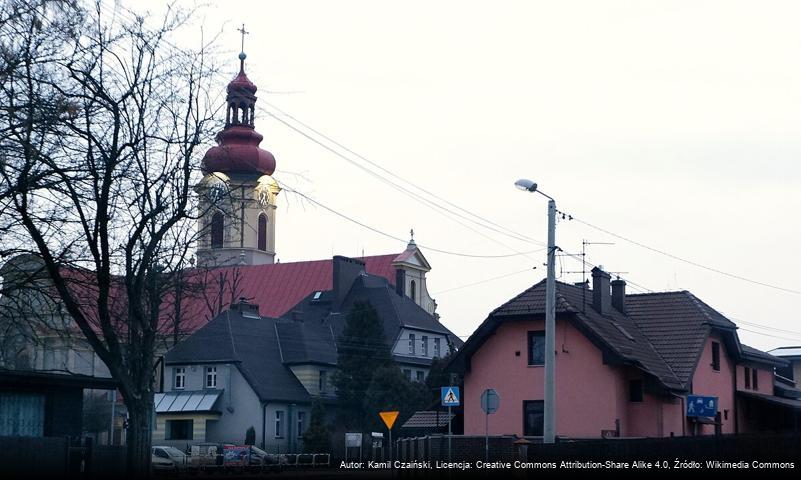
171	453
208	454
162	465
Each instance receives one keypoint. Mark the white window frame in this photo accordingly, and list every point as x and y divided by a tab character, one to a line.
424	345
437	351
412	346
211	374
279	418
179	372
300	423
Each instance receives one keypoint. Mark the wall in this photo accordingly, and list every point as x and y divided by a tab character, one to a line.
401	346
589	394
288	441
240	407
309	377
707	381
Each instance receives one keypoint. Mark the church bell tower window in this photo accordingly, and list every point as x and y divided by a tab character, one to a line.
262	232
217	230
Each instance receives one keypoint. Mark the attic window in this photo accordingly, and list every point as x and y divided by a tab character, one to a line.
317	295
623	331
250	314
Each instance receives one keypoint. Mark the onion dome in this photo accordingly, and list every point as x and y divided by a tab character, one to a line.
238	143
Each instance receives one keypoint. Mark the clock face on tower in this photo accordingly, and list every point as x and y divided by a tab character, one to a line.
217	191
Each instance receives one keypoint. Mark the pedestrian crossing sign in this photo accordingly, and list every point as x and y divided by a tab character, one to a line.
449	396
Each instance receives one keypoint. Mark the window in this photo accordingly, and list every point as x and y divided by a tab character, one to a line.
217	228
211	377
536	348
411	344
408	373
323	381
301	422
413	290
716	356
436	347
424	345
178	430
262	232
180	378
279	420
533	418
747	377
421	376
635	390
754	379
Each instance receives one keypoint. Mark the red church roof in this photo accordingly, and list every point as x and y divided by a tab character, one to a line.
274	288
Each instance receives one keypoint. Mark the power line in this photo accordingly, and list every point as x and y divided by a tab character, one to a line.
471	215
689	262
393	237
394	185
795	339
486	280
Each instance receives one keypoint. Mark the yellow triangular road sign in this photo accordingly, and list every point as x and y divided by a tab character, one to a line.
389	418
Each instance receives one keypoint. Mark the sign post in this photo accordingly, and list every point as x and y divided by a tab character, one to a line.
490	401
389	420
450	398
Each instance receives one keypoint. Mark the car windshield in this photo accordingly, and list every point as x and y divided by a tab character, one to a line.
173	452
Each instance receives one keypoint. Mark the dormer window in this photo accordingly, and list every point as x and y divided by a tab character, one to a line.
411	344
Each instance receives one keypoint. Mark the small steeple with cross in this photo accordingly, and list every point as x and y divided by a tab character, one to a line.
411	240
242	55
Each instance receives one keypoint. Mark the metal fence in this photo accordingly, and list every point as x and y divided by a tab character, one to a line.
56	457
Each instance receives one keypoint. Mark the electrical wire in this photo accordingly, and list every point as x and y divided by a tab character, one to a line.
393	237
486	280
689	262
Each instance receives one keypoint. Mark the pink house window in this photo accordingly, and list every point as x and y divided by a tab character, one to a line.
533	417
536	348
262	232
755	379
747	377
716	356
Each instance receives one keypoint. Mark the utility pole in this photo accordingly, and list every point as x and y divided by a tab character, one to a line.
549	420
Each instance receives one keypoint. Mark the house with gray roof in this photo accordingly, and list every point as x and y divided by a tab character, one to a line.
245	370
627	365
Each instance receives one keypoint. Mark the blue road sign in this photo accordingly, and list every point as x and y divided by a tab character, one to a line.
449	396
701	406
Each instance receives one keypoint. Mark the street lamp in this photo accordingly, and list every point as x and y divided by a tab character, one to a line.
549	407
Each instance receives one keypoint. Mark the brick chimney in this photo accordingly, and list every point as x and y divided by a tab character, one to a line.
346	271
245	308
619	295
601	299
400	281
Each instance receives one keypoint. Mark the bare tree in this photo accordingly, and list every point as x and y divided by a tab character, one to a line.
101	119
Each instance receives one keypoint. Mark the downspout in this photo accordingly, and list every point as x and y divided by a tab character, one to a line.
734	404
263	426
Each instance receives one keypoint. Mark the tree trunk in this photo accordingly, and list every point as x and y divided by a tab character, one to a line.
140	415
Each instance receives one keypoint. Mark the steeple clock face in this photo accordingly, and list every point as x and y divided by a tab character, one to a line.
217	191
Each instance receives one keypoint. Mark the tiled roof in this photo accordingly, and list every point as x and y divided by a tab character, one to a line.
310	339
661	333
249	343
274	288
755	355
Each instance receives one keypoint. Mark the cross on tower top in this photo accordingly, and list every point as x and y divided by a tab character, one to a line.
243	32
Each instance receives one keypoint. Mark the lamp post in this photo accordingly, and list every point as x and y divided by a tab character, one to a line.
549	407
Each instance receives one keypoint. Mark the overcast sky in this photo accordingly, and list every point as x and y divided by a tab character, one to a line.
676	124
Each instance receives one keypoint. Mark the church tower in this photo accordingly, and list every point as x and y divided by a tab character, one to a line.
237	194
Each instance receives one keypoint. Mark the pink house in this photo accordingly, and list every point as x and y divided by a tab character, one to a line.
625	365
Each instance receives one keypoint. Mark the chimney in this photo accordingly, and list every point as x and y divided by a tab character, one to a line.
601	300
249	310
346	271
400	281
619	295
585	284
